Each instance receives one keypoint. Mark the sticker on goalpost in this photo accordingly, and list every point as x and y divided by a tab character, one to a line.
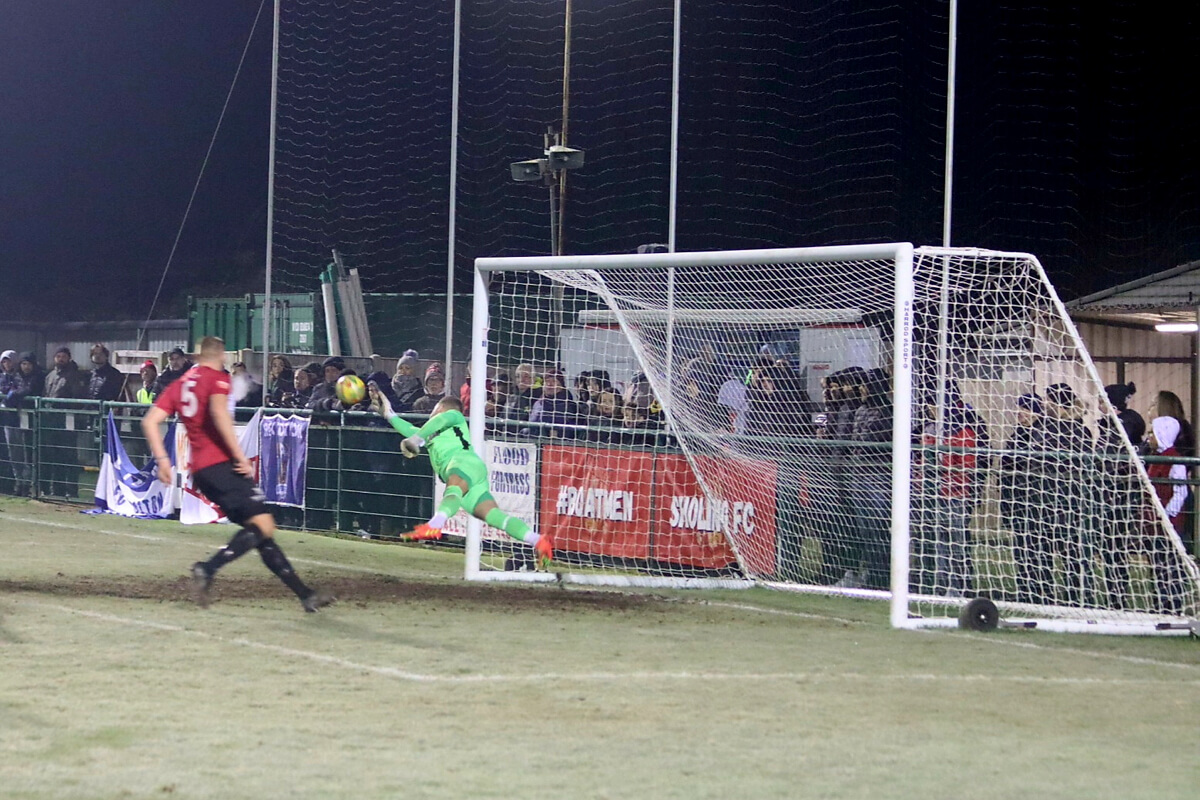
512	475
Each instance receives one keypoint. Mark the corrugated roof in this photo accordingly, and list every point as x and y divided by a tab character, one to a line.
1175	289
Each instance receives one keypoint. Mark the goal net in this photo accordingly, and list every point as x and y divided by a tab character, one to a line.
924	426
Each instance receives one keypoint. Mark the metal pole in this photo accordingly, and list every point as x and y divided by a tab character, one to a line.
1195	425
266	366
902	436
562	137
671	203
948	192
453	221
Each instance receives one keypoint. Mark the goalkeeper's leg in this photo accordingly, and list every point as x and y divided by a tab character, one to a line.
487	510
452	501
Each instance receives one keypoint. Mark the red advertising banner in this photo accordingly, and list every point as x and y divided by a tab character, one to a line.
691	529
597	501
638	505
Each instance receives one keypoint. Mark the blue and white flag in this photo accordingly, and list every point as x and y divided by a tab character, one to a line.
130	491
283	458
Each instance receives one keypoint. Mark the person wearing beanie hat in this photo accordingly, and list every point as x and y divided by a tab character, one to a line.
1061	395
149	374
435	389
405	383
1133	423
324	396
1062	495
1018	504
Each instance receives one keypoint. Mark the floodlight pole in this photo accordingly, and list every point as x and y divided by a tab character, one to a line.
562	135
266	365
453	203
951	70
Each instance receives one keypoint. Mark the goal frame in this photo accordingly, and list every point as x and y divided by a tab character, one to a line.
900	253
903	258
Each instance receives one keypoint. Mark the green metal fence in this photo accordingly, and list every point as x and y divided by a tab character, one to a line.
357	481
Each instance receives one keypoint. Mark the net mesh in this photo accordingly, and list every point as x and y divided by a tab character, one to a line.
737	419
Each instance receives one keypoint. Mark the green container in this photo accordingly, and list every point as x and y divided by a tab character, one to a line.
296	325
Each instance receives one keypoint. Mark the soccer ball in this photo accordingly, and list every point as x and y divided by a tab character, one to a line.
350	389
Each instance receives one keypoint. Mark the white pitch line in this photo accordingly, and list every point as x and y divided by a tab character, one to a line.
606	677
165	540
86	529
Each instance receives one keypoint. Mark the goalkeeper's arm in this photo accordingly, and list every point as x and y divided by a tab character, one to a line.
380	403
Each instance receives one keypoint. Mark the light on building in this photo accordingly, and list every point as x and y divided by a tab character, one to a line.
1176	327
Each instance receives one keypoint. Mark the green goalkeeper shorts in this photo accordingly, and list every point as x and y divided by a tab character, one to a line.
471	469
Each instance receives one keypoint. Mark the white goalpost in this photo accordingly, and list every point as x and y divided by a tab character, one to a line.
918	425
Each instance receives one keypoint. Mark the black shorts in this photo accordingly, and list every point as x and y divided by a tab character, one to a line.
236	495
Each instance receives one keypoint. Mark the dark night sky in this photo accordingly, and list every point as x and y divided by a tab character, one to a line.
1073	142
108	109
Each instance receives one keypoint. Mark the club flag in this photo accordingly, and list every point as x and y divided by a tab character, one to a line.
128	490
283	459
194	507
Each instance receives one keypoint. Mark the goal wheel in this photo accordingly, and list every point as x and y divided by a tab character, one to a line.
980	614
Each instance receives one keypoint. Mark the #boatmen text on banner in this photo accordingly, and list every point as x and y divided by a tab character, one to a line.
283	459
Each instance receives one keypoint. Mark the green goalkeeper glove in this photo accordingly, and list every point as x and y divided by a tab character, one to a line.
411	447
379	401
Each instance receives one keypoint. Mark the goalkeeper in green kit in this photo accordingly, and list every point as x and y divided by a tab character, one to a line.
465	474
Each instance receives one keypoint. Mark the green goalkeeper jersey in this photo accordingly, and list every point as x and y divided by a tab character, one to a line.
445	435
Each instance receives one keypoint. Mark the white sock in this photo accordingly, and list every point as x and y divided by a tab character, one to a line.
438	521
531	538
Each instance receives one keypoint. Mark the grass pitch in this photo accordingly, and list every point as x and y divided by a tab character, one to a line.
113	685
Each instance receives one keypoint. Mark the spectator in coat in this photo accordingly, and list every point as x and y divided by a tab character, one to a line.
65	381
177	364
8	420
148	374
406	386
1169	578
281	380
1064	495
323	395
498	390
59	474
869	482
106	383
555	408
959	487
306	379
435	389
1118	515
1168	404
1131	421
525	392
1020	503
25	384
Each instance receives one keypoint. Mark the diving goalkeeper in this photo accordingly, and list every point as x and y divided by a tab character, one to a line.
465	474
